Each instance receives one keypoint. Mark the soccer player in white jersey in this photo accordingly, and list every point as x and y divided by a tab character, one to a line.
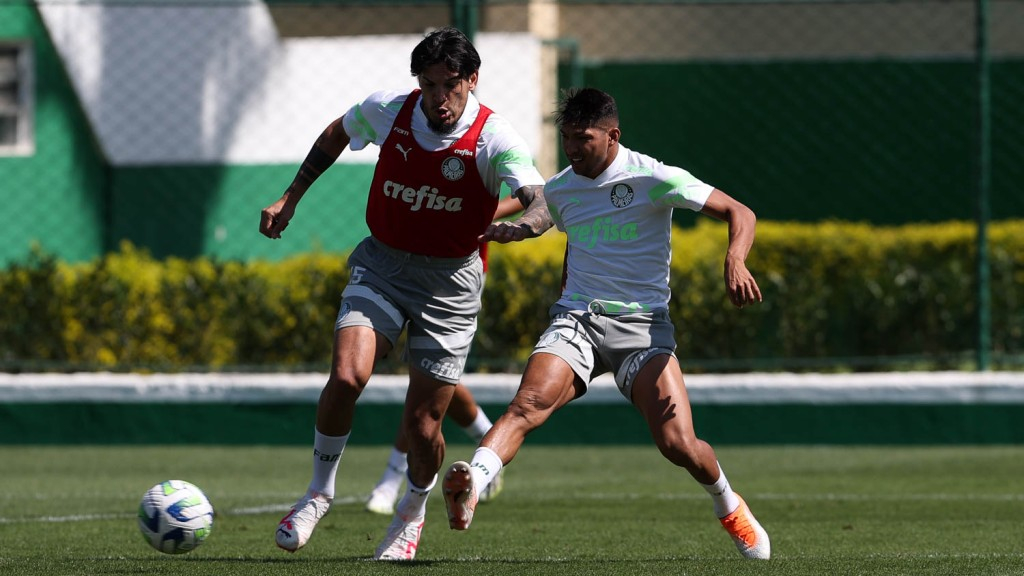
615	207
443	159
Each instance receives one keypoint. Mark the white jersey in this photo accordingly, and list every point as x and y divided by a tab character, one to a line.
502	155
618	229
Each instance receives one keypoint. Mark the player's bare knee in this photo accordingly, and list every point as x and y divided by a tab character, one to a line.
682	448
344	386
426	429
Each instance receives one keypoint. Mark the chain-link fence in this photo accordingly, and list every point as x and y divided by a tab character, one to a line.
170	124
164	122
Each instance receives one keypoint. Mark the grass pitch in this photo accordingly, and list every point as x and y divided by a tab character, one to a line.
565	510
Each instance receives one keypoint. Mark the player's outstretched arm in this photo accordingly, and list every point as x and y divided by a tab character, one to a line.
739	282
534	221
328	146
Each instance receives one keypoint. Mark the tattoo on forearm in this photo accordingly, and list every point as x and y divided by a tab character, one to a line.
527	194
315	163
536	216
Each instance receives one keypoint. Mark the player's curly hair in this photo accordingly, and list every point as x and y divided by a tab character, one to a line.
586	107
450	46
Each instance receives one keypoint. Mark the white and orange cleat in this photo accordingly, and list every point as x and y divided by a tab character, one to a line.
294	530
750	538
460	495
401	541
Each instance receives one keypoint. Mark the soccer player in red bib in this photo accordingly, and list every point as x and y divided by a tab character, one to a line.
443	159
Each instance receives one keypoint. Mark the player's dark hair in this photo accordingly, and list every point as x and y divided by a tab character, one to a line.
446	45
586	107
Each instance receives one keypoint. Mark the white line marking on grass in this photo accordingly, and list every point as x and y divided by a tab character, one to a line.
895	497
72	518
249	511
826	497
267	508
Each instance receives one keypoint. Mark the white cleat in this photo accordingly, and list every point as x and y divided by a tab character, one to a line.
459	496
382	500
746	532
294	530
401	541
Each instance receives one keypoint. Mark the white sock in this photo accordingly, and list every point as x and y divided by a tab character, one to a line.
414	503
485	466
398	461
479	427
391	480
722	496
398	464
327	452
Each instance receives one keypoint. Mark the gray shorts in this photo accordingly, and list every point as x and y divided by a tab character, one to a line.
437	298
622	344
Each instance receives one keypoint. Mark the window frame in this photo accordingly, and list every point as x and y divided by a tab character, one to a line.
24	114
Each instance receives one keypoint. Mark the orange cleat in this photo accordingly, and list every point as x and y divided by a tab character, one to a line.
750	538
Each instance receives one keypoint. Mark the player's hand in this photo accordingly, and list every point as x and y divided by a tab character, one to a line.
740	283
505	232
274	218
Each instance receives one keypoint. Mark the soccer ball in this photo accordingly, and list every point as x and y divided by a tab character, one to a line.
175	517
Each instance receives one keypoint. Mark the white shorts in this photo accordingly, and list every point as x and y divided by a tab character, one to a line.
593	344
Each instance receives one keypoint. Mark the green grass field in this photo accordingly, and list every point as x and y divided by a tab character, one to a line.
565	510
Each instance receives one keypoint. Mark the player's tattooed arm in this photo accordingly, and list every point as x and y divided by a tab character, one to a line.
314	165
535	218
534	221
321	156
275	218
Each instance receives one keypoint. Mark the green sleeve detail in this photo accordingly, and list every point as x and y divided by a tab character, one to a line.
677	182
642	170
366	131
511	158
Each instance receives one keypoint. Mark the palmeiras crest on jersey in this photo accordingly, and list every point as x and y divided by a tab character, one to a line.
453	168
622	195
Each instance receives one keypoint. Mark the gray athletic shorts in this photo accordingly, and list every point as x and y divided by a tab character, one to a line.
593	344
437	298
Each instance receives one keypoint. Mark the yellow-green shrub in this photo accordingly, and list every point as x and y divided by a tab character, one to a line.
848	290
834	293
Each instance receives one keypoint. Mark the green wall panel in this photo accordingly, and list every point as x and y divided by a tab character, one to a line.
886	142
288	424
190	211
55	197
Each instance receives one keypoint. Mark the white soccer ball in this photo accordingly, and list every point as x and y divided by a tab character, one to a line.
175	517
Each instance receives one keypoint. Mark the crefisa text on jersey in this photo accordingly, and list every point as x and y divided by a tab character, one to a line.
424	197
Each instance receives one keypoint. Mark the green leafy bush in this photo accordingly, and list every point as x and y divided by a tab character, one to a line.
836	295
861	293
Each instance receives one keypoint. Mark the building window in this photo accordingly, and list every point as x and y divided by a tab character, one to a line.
16	136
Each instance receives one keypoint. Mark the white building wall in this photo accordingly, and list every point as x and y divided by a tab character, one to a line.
193	84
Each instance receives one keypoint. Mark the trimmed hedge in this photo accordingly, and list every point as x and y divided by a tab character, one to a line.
836	296
128	310
867	294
